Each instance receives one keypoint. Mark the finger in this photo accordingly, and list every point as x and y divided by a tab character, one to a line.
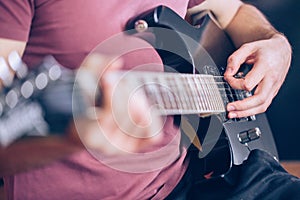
255	104
238	58
253	77
247	113
140	116
108	82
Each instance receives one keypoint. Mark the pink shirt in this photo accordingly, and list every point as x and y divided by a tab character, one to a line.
69	30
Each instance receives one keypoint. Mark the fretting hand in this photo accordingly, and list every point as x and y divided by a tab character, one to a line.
124	123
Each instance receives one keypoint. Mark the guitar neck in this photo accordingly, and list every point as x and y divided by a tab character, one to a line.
172	93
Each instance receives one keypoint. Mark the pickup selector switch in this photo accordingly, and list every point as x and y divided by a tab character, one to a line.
249	135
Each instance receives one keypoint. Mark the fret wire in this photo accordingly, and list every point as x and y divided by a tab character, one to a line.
172	97
167	93
182	90
202	81
212	93
219	101
149	91
176	102
209	93
207	105
166	98
195	91
153	88
189	89
159	89
195	96
222	90
187	86
177	92
206	96
200	93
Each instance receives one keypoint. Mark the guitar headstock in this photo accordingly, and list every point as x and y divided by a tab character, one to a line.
35	102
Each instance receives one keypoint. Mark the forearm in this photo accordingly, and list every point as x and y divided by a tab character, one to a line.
31	153
249	25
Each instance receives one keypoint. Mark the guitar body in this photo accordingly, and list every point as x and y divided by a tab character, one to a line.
187	49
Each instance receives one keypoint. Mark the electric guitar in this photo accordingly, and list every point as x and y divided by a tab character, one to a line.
200	52
44	100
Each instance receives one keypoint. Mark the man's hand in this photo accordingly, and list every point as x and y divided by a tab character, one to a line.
271	59
259	44
124	122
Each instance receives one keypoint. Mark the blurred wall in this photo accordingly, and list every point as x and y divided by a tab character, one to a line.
284	111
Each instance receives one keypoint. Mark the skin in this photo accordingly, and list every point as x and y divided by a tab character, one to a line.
257	47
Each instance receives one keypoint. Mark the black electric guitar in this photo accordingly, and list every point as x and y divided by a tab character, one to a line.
43	100
201	55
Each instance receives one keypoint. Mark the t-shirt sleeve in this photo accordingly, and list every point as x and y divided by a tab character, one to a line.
15	19
193	3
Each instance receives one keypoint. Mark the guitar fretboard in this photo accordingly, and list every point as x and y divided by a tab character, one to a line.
173	93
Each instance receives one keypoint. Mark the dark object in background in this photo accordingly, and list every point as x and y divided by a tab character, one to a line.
283	113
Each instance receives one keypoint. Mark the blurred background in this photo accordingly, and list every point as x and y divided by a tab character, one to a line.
284	111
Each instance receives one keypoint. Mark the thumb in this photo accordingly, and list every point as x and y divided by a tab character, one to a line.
237	58
91	72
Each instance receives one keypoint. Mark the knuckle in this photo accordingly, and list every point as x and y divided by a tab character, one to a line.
246	46
274	77
260	100
248	85
231	62
231	58
243	114
263	109
241	105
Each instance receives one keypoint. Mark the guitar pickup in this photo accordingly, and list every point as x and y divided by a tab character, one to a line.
249	135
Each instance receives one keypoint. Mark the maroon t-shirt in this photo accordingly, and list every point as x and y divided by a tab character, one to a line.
69	30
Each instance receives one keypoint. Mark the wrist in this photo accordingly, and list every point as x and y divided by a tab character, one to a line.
249	25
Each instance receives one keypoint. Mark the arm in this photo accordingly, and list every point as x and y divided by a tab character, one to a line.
131	131
29	153
7	45
258	43
269	52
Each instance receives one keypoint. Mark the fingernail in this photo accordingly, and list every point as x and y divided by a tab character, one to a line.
232	115
230	108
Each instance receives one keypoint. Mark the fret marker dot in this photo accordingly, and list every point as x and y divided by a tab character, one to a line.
41	81
11	98
54	72
27	89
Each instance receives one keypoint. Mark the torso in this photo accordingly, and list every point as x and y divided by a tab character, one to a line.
81	176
